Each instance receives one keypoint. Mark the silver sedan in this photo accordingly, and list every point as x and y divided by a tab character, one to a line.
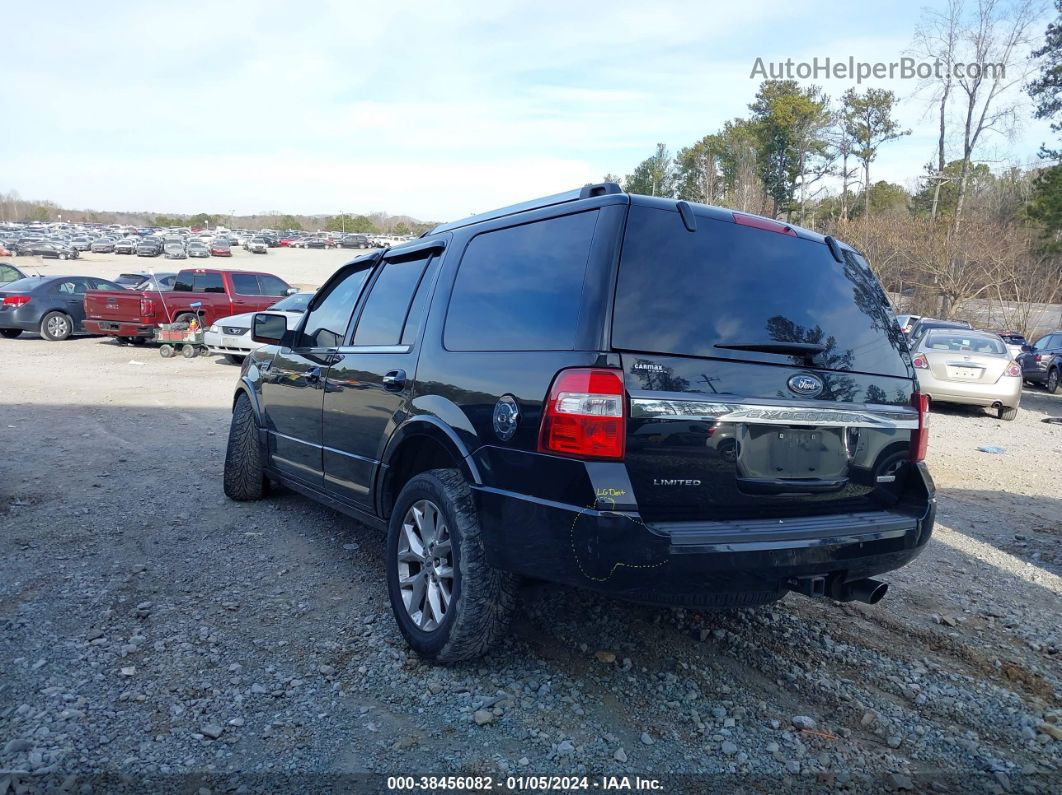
970	367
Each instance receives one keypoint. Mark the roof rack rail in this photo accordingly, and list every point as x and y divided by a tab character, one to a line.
586	192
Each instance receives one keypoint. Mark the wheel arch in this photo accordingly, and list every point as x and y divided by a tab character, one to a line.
421	443
245	387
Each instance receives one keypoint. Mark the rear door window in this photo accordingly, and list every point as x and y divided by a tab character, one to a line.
419	307
246	284
688	293
388	303
102	284
521	288
208	283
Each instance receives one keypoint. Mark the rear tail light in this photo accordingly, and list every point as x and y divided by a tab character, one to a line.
920	361
1013	370
585	415
920	437
147	307
16	300
1038	358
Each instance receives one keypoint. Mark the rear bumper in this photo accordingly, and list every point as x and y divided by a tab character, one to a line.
1006	390
683	563
1036	376
112	328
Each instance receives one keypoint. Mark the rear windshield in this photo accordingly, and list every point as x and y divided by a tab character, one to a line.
963	343
686	293
24	285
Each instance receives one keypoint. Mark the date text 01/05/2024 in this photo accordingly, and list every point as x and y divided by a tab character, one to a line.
524	783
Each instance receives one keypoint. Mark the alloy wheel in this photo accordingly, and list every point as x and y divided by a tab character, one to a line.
57	326
425	565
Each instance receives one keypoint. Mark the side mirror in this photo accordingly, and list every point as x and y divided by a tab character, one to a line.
269	328
291	291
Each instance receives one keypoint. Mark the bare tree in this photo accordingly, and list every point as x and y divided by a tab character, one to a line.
1028	280
844	146
936	38
997	41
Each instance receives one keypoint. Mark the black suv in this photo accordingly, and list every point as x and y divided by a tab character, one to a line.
669	402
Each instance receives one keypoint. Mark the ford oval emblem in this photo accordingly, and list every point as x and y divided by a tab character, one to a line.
805	384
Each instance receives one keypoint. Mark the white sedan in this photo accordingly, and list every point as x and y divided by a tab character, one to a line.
231	336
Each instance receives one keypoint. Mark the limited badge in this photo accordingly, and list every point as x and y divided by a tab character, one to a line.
506	417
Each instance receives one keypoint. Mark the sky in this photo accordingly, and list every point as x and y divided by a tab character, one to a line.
436	110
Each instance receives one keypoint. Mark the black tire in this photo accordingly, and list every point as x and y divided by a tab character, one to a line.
233	358
10	333
56	326
121	340
185	317
244	477
188	351
1051	384
482	599
1007	413
137	341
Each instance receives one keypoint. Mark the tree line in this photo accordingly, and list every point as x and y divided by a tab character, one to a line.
967	231
14	208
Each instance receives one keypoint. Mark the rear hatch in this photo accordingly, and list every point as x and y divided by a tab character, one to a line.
766	378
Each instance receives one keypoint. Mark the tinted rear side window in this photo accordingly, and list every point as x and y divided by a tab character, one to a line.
246	284
521	288
209	283
419	307
386	307
686	293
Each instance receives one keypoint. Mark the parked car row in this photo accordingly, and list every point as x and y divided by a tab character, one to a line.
132	306
956	363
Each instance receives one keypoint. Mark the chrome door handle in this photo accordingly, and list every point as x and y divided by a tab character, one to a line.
395	380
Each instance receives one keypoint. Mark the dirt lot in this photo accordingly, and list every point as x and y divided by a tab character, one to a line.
154	635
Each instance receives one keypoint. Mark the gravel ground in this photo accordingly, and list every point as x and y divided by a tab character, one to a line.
154	635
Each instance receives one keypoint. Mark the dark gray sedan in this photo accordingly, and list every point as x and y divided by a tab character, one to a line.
52	306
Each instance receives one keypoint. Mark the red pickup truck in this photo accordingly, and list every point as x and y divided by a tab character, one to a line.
197	292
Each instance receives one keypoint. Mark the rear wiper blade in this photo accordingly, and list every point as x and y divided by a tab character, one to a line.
805	349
